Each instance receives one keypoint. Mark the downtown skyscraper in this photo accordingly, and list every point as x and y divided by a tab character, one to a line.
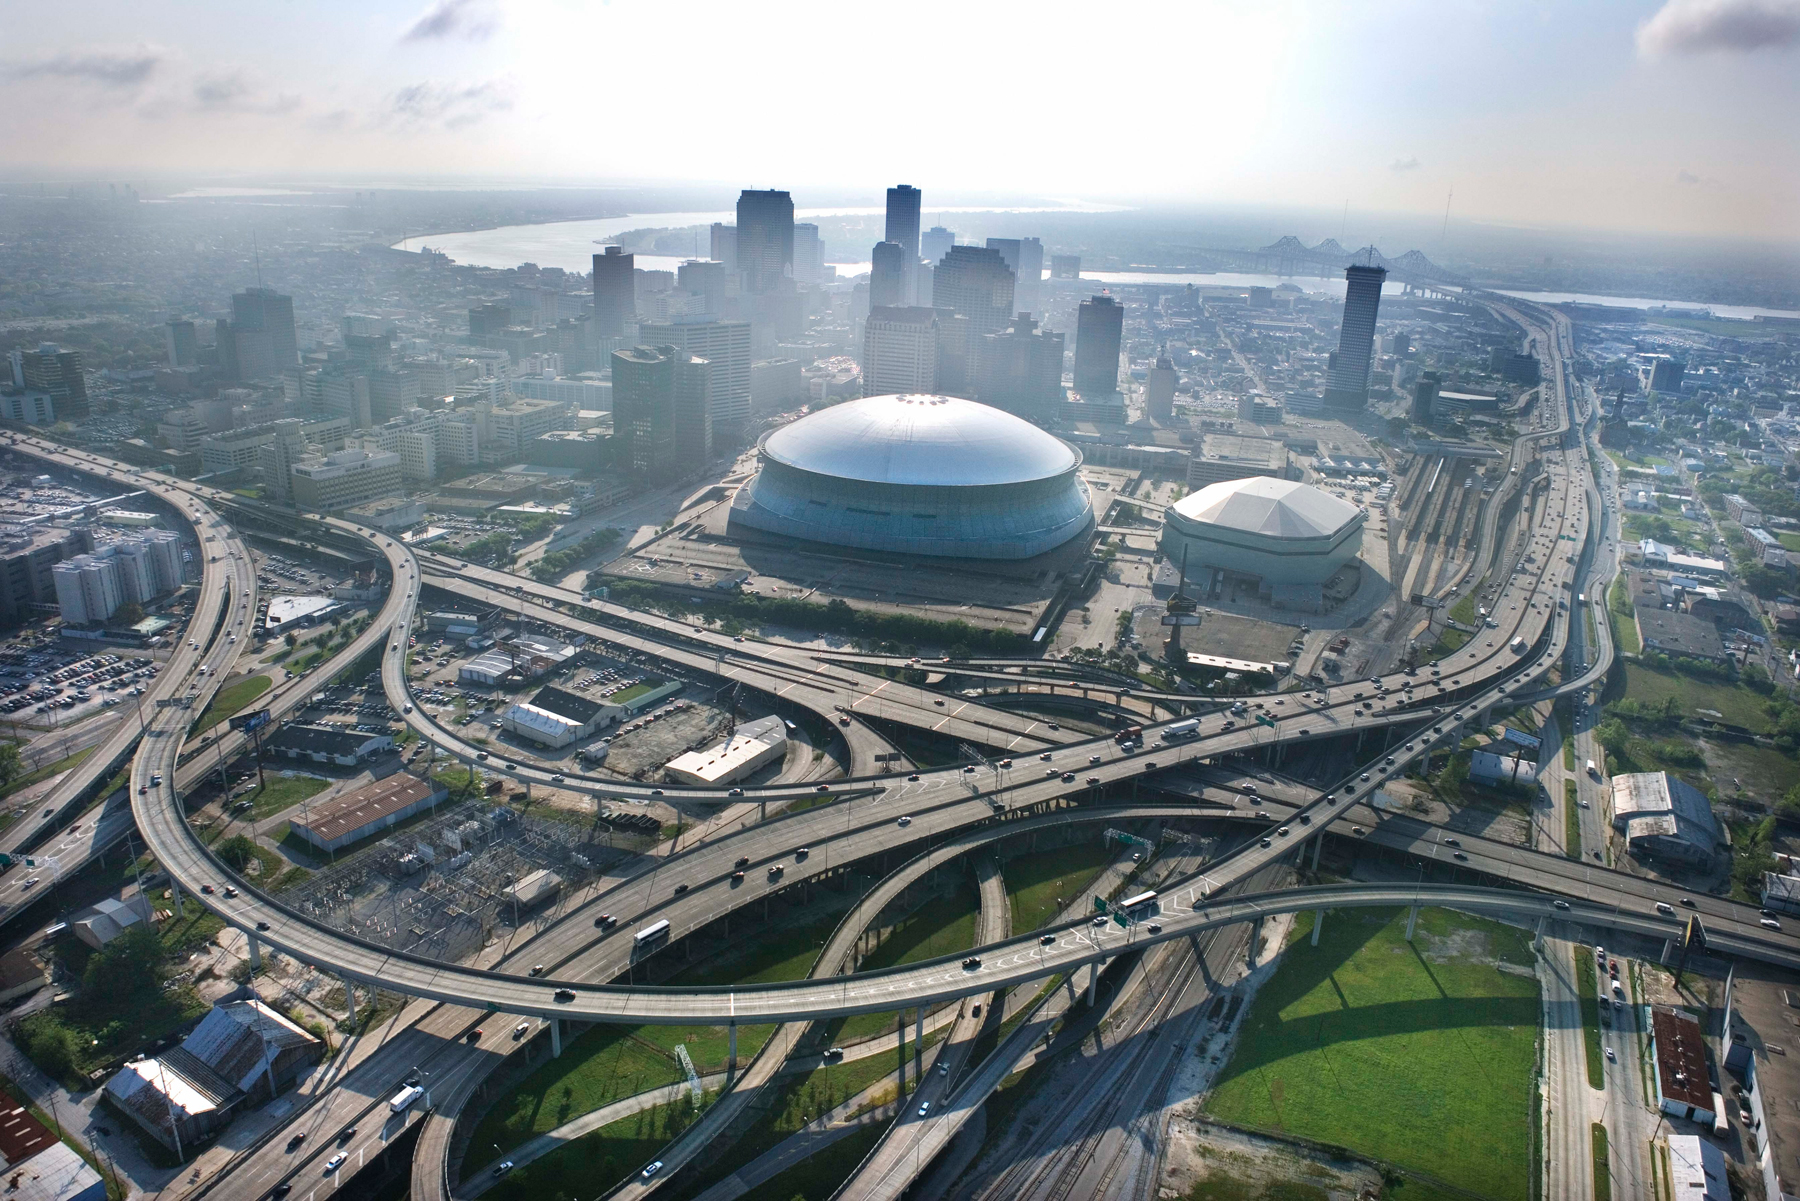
765	239
1347	375
615	292
1099	333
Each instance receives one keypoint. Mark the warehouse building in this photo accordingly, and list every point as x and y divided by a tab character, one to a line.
555	718
329	744
534	888
1220	457
1678	1055
38	1165
367	811
750	747
1664	818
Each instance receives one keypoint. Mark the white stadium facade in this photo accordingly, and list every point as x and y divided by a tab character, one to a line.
1291	536
921	475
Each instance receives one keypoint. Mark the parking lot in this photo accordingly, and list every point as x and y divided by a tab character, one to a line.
65	686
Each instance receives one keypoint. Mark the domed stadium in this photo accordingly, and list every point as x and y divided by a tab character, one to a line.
1281	532
923	475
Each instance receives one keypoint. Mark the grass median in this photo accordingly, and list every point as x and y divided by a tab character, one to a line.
1040	885
1602	1164
1571	821
1396	1049
232	698
1588	990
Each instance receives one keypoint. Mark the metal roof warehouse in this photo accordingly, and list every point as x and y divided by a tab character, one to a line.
369	810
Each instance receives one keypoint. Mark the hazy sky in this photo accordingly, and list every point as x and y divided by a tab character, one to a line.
1678	115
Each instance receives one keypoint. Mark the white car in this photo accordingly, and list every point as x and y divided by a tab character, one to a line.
653	1169
335	1162
907	821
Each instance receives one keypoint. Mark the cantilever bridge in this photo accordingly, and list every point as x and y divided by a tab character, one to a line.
1291	256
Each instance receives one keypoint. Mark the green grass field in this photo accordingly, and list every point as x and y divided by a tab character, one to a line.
1624	628
590	1166
278	791
230	699
1033	882
45	772
1397	1050
1734	703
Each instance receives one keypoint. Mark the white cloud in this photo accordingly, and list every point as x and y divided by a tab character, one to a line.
114	69
470	19
454	106
1409	163
1683	27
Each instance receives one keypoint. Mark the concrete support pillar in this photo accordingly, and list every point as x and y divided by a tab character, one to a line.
350	995
255	951
1318	841
1412	919
175	894
900	1047
919	1043
1318	925
1537	939
1093	981
731	1053
1255	939
556	1038
1668	952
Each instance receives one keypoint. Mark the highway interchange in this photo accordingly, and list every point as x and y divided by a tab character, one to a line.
1034	769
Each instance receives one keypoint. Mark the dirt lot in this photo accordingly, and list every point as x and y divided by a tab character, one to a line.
1212	1161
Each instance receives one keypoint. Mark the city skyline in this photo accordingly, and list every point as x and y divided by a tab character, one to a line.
399	90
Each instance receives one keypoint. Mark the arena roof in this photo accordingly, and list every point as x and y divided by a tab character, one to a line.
938	441
1268	506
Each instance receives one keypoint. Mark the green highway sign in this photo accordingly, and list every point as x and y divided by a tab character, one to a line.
1100	904
1121	919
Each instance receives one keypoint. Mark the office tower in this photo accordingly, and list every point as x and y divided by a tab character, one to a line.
809	254
489	319
899	351
1025	256
976	283
370	352
178	336
275	458
935	243
28	554
1159	389
1425	393
263	344
1665	375
887	275
88	588
765	239
661	416
958	344
57	373
705	278
1099	331
350	477
723	246
615	292
1347	375
903	219
1401	343
1065	266
726	347
1020	370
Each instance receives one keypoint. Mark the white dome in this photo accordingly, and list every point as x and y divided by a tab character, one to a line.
940	441
1273	508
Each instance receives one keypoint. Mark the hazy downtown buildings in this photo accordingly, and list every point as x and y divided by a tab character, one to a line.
56	373
935	243
723	245
900	346
809	253
902	226
726	347
976	283
1099	332
91	587
28	557
765	239
1065	266
259	339
1159	388
178	339
1020	370
343	479
707	279
615	292
1026	258
661	414
887	275
1347	373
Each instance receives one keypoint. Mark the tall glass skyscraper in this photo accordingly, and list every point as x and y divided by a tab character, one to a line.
1347	377
615	292
903	219
1099	333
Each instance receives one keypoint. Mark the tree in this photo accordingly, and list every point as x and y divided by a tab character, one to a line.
292	640
12	764
1612	734
128	614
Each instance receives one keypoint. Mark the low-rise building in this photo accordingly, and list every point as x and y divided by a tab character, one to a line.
1220	457
345	479
105	920
1680	634
367	811
1696	1170
388	514
1678	1056
35	1165
555	717
328	744
750	747
1662	817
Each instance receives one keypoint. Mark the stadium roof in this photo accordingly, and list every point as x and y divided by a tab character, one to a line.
937	441
1274	508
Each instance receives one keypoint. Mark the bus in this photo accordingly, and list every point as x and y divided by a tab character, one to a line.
650	939
1141	908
